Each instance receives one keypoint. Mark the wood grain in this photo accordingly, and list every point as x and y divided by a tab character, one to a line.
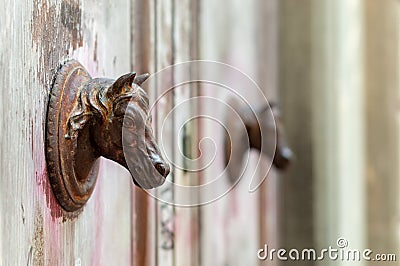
229	229
37	36
185	49
162	14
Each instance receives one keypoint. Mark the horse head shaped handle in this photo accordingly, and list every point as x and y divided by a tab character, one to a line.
91	118
262	128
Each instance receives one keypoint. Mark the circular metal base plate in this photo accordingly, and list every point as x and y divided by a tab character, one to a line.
71	192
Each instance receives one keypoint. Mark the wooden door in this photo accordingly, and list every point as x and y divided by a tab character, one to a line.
37	37
120	224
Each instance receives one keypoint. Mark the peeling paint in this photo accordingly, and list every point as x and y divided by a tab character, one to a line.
95	50
36	36
71	16
23	213
56	211
30	254
56	32
53	39
38	240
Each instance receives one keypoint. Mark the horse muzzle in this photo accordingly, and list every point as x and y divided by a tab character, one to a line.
282	158
145	163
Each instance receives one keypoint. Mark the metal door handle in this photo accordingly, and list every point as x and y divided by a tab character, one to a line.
264	132
88	118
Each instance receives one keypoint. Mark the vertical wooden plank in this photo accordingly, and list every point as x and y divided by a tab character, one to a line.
98	236
382	82
267	43
186	218
16	199
229	225
143	213
37	36
296	184
163	57
111	243
338	123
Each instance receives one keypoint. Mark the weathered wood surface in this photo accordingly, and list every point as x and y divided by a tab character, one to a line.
36	36
347	164
143	218
267	47
338	123
162	19
295	189
230	225
185	49
382	82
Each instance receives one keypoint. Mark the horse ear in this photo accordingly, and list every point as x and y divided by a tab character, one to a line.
120	83
141	78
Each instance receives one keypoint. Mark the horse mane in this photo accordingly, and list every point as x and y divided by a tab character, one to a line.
98	100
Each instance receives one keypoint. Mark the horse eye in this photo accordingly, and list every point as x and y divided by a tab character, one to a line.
128	122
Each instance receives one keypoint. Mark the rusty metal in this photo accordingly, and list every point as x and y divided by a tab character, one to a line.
85	121
261	126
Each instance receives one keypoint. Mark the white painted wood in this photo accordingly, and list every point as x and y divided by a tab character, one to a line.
36	37
186	219
267	49
229	225
163	57
338	123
